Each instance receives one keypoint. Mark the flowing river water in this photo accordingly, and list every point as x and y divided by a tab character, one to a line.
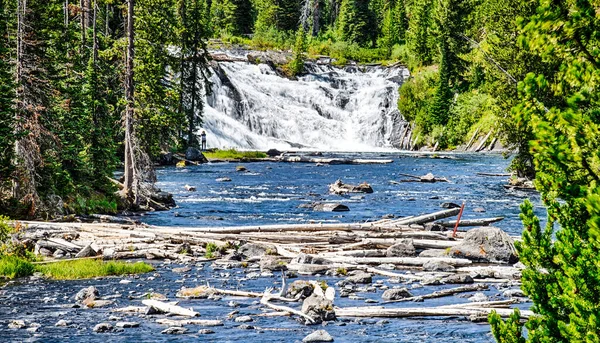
270	193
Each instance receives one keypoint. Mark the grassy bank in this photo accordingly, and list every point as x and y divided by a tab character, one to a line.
232	154
14	267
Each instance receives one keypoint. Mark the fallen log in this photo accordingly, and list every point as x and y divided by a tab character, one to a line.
265	301
470	222
428	217
443	293
170	308
378	311
494	174
408	261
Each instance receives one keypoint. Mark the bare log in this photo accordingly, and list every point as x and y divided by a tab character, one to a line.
170	308
408	261
179	323
471	222
428	217
424	312
443	293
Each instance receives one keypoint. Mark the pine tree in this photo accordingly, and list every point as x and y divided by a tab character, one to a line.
562	275
232	16
356	22
419	32
296	66
7	97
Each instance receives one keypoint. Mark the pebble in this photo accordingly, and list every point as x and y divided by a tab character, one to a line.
124	282
16	324
205	331
246	327
318	336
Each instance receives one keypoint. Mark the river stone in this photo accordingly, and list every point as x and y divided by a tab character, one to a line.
318	308
458	279
318	336
403	248
87	293
246	327
511	293
182	270
431	281
62	323
396	293
174	330
103	327
223	179
58	253
205	332
244	319
486	244
241	169
330	207
273	153
303	258
94	303
449	205
195	155
272	263
299	289
478	297
127	325
249	250
16	324
45	252
437	266
358	278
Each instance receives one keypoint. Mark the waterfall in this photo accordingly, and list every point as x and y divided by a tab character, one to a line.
329	108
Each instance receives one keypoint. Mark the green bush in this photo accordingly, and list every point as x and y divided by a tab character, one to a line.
13	267
472	111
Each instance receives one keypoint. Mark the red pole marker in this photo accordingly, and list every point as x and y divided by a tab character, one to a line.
462	208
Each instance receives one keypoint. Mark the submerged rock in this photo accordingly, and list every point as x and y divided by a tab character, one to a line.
90	293
223	179
205	331
396	293
127	325
318	308
330	207
244	319
174	330
318	336
486	244
274	153
478	297
249	250
16	324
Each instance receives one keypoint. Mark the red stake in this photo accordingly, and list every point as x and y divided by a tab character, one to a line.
462	208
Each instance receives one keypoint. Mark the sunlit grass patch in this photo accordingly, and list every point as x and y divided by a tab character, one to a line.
13	267
85	269
233	154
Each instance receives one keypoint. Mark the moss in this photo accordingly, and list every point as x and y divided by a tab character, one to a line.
13	267
341	271
233	154
85	269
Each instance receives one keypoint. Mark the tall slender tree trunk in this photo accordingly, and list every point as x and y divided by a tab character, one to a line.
82	23
129	111
316	18
21	7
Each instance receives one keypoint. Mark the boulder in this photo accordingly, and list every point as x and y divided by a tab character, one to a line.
243	319
437	266
88	293
359	277
511	293
268	262
299	289
205	332
195	155
396	293
318	308
339	187
103	327
163	198
330	207
166	159
127	325
87	251
458	279
449	205
174	330
478	297
16	324
241	169
303	258
486	244
403	248
274	153
249	250
318	336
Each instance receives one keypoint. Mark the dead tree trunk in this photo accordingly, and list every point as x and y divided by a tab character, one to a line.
129	172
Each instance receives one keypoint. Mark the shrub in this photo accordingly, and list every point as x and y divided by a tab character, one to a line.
13	267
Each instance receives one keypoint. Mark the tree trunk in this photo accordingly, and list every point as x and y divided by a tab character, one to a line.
129	111
82	23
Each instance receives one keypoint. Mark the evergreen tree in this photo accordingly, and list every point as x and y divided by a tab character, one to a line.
296	66
419	31
232	16
356	22
7	97
283	15
562	274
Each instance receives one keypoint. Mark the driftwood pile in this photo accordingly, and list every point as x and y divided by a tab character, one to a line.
400	249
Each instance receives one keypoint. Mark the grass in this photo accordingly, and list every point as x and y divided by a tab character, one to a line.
13	267
233	154
85	269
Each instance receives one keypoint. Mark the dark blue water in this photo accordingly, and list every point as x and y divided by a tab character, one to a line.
270	193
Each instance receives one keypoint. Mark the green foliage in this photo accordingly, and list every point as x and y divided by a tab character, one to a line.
509	331
355	22
86	269
211	248
419	36
561	106
233	154
296	65
282	15
5	229
7	109
14	267
231	16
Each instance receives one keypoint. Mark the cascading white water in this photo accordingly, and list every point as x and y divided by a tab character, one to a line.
333	109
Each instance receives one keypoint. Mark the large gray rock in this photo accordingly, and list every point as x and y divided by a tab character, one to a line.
272	263
486	244
330	207
437	266
359	277
458	279
88	293
195	155
318	336
318	308
103	327
303	258
396	293
299	289
256	249
403	248
174	330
